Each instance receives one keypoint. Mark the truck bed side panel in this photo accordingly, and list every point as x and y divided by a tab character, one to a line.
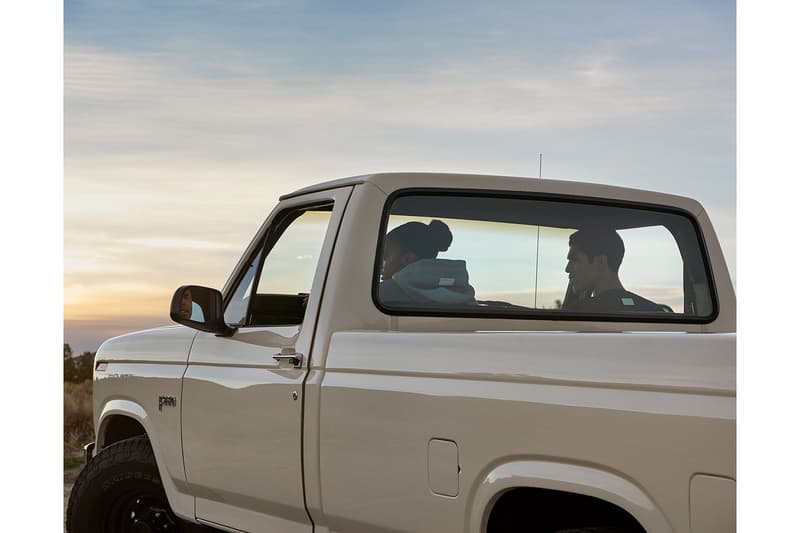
652	408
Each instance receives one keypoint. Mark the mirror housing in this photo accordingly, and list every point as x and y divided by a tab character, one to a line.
200	308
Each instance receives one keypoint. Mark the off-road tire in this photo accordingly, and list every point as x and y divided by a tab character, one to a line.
119	482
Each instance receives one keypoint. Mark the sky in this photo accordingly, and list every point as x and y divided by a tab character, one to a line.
184	121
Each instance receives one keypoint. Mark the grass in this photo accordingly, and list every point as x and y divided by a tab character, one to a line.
72	462
78	428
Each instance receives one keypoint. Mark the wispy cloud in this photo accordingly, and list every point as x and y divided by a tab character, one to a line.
158	94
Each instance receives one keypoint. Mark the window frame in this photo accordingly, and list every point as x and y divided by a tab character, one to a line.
541	314
264	246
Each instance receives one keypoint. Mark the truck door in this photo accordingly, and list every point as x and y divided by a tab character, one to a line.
243	395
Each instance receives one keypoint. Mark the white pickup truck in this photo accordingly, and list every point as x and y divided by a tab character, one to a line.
441	353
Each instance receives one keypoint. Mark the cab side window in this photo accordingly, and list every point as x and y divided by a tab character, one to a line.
274	290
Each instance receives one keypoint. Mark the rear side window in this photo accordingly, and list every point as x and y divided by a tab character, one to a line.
464	254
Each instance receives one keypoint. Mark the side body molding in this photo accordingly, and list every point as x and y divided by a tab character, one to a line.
564	477
182	504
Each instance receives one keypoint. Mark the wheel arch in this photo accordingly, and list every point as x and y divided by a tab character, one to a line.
123	418
117	427
611	488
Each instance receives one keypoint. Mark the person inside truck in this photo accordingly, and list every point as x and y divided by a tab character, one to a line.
412	274
593	262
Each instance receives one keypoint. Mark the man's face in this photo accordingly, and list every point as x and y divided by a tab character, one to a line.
583	273
186	304
395	259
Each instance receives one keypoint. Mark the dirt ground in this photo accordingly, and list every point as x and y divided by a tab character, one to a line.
69	480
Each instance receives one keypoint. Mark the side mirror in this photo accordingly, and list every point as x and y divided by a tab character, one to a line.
200	308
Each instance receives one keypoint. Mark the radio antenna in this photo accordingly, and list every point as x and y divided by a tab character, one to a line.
538	231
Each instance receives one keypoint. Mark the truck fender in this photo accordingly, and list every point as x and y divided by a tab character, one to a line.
566	477
182	504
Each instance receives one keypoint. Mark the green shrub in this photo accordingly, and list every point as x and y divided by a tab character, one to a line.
77	368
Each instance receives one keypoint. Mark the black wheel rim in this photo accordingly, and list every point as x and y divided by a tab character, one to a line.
139	512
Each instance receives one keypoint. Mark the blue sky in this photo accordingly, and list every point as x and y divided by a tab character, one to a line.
184	121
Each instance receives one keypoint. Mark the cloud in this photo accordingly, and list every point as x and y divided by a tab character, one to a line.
163	101
178	244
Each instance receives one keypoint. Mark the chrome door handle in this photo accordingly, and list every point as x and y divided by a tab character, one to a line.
295	358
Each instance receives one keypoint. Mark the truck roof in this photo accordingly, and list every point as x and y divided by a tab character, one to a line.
389	182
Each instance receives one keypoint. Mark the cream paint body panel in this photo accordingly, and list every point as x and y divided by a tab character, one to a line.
713	501
168	344
241	431
242	417
649	409
139	368
665	361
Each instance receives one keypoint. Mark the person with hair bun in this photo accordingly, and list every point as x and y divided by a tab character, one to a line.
412	274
